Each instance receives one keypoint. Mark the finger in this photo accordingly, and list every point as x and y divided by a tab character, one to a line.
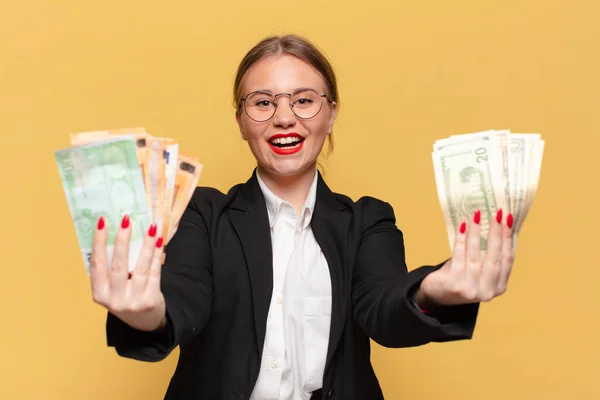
98	264
490	270
173	231
507	257
119	270
156	267
473	263
142	268
460	250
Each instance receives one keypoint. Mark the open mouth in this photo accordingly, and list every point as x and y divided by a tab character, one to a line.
287	142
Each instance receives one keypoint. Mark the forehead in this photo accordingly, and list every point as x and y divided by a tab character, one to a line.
281	73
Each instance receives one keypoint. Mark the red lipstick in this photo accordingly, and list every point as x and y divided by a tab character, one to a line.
286	150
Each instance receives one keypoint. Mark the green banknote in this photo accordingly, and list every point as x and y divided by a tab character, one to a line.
104	178
469	177
517	168
487	171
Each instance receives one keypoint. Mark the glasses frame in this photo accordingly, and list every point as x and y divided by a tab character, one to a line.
290	95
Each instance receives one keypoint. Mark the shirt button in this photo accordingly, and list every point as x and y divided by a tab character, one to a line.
274	364
278	297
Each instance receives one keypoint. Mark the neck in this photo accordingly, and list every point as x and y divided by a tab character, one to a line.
293	189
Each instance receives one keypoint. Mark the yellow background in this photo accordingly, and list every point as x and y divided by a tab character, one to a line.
410	72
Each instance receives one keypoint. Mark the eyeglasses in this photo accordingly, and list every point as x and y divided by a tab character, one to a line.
261	105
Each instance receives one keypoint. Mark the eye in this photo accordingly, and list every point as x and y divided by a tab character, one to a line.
264	103
303	102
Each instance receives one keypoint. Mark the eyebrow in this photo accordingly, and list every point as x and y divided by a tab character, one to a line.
295	90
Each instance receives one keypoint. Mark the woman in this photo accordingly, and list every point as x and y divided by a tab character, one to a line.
273	290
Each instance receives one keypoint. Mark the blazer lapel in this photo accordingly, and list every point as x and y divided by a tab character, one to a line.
251	223
331	227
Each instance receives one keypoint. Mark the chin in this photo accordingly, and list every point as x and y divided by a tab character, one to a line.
290	168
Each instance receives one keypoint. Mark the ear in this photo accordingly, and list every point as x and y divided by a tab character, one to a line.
332	114
238	119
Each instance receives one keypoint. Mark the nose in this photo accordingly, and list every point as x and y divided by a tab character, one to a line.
284	116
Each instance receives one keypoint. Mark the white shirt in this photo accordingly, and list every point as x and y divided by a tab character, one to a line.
298	322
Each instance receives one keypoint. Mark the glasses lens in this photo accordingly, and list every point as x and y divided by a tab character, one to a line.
260	106
307	103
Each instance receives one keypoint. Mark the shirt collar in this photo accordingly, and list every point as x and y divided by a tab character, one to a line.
277	206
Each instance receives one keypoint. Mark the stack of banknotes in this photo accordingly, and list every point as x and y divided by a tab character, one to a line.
487	171
125	172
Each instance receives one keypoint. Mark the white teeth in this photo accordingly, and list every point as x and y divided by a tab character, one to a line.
287	140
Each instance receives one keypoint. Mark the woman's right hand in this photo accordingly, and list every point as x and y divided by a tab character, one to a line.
135	298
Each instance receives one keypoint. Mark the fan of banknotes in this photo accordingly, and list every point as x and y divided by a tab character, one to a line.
487	171
126	171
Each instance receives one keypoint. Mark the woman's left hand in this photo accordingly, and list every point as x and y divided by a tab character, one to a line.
466	277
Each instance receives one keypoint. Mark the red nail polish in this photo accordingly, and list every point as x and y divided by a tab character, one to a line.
152	230
159	242
499	216
509	221
125	222
101	223
477	217
463	227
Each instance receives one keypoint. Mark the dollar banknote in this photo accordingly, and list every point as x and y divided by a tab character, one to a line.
486	171
104	178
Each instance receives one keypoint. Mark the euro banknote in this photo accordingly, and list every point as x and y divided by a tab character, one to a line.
104	179
163	177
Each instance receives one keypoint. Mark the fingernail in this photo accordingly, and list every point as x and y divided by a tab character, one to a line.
159	242
477	217
463	227
125	222
499	216
100	223
509	221
152	230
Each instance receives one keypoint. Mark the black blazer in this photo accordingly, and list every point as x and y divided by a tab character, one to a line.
217	282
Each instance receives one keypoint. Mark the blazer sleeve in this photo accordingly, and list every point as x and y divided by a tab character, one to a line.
382	288
186	283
